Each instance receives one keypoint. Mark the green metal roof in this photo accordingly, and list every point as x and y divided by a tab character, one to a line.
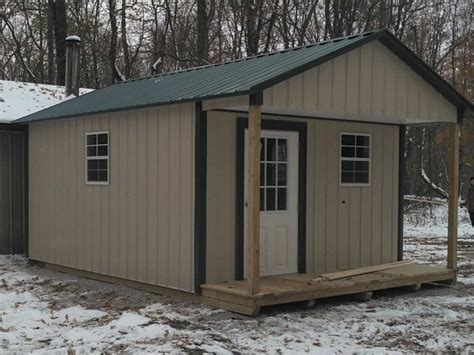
244	76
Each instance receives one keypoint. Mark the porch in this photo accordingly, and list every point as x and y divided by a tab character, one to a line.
280	289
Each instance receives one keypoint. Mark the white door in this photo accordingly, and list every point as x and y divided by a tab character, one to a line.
278	202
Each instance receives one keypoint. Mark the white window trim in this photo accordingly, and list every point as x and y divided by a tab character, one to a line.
351	184
96	158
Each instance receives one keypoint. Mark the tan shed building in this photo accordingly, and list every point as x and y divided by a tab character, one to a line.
247	183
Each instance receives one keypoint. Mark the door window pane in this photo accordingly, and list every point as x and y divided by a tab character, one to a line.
273	174
271	149
281	198
282	150
270	199
282	174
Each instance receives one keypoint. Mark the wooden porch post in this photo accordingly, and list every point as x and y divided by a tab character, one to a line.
253	193
453	191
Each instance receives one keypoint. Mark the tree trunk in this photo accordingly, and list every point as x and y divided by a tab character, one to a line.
126	54
60	34
50	41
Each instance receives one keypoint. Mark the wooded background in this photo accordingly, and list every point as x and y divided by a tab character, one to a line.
129	39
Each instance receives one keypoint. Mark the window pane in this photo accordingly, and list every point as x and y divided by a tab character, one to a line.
103	175
348	152
92	175
362	152
362	166
102	150
271	174
347	165
262	149
281	199
361	177
363	141
348	139
92	164
262	199
103	164
102	138
271	149
91	151
347	177
282	174
270	205
91	139
282	150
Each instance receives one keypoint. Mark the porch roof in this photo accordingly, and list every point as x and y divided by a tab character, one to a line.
239	77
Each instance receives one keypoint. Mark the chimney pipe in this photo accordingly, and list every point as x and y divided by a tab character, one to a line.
73	48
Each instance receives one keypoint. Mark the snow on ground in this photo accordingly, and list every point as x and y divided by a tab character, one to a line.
44	311
18	99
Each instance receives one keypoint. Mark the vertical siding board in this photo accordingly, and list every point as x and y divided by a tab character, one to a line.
354	228
317	210
80	185
353	79
123	167
186	196
153	214
295	92
142	189
175	178
332	198
163	194
395	185
338	101
378	81
366	67
387	193
114	176
132	157
73	229
311	252
377	202
325	84
310	92
365	224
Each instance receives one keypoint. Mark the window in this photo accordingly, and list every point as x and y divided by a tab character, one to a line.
97	158
273	174
355	159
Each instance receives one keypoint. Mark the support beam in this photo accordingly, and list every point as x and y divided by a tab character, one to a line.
453	191
253	209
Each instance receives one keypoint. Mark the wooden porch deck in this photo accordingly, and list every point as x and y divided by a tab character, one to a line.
232	295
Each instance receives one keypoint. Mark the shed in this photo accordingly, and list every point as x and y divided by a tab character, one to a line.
242	182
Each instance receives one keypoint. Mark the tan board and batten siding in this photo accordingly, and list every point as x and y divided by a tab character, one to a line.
361	231
369	83
141	226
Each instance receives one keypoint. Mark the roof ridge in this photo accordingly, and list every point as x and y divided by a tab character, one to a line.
255	56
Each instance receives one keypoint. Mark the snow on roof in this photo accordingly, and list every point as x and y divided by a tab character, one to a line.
18	99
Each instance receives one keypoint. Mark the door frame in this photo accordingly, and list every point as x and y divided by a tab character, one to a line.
274	125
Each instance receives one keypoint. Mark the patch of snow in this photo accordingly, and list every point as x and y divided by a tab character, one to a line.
78	314
18	99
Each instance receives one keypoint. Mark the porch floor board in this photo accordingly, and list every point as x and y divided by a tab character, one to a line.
279	289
